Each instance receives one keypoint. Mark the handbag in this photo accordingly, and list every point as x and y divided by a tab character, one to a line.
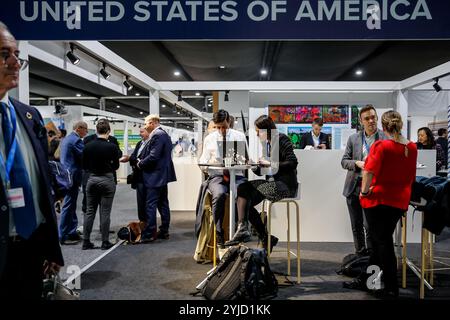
54	289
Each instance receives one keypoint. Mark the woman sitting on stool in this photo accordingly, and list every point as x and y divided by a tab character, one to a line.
281	182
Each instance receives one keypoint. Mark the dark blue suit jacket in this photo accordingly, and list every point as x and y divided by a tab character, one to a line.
307	140
72	154
46	236
156	160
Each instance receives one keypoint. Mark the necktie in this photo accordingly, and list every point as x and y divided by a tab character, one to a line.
25	216
226	173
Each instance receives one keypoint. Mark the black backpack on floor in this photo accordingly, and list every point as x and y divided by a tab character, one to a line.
353	265
243	274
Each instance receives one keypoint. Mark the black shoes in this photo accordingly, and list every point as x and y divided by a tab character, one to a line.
87	245
162	235
273	242
106	245
355	284
148	238
242	235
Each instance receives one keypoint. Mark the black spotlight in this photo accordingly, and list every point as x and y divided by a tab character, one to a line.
226	96
180	98
105	74
436	85
127	84
72	56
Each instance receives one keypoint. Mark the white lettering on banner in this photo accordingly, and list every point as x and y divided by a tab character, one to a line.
209	10
394	13
193	5
72	12
302	14
176	12
53	12
349	10
263	6
329	12
159	5
228	7
421	4
93	11
109	10
138	8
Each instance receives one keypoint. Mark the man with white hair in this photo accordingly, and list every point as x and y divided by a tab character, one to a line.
71	158
157	171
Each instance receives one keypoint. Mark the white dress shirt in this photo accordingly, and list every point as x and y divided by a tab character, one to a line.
211	153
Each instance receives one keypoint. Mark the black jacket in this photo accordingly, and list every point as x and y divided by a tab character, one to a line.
287	166
45	238
307	140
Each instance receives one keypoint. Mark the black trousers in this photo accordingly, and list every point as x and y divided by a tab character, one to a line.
361	239
22	277
382	221
141	198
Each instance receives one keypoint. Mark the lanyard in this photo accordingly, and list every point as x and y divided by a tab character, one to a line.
268	150
12	151
365	142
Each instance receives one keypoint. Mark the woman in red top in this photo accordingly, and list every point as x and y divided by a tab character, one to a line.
388	175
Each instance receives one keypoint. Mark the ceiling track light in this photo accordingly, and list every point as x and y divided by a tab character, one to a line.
105	74
436	85
127	84
180	98
226	98
73	58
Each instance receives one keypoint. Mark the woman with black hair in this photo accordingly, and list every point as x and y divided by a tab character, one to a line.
281	181
426	142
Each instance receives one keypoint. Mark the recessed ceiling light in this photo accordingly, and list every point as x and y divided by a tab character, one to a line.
177	73
197	93
163	106
117	106
222	67
141	112
209	104
137	94
178	112
359	72
263	72
78	94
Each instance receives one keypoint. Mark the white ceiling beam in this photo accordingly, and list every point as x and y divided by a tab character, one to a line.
112	59
60	63
273	86
426	76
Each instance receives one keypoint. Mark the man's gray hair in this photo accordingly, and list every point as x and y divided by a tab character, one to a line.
79	124
4	27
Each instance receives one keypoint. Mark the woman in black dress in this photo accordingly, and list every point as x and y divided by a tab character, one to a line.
281	181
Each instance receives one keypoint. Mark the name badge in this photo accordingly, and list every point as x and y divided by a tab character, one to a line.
16	198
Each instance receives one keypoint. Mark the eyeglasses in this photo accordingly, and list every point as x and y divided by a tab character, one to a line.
4	56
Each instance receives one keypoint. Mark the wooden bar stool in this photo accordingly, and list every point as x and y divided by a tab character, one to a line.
288	202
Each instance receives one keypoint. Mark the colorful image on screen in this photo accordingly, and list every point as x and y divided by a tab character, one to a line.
335	114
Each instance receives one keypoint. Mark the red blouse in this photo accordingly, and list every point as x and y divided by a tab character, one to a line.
393	174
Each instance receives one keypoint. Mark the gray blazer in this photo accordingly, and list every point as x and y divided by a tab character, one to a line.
353	153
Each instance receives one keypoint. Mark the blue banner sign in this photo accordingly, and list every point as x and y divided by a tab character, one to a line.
227	19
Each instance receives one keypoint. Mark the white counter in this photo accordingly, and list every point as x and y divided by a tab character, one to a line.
324	215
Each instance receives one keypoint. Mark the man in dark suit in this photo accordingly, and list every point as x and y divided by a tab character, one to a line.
71	158
138	180
316	138
157	171
29	246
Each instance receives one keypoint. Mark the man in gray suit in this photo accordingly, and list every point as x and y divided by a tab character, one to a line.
356	151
